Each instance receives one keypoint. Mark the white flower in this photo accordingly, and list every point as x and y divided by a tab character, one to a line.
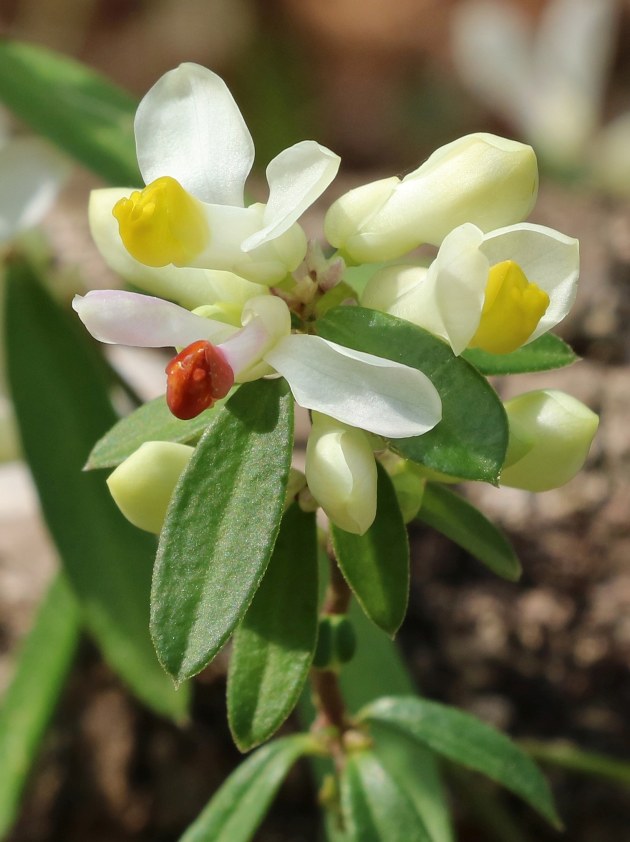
341	473
550	436
374	394
549	83
195	153
143	484
496	291
479	178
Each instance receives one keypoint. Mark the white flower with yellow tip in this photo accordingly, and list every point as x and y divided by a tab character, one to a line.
495	291
341	473
479	178
550	436
375	394
195	153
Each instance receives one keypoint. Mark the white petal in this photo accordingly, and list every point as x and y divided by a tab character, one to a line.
189	127
297	177
378	395
127	318
549	259
31	175
449	301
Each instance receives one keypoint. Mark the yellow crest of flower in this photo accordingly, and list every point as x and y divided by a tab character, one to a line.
512	308
162	224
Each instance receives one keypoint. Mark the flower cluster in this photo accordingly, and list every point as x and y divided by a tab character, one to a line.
238	290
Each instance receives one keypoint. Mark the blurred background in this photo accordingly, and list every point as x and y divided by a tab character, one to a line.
384	82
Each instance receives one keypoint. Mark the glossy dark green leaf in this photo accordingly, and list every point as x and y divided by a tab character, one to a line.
273	647
471	439
62	407
376	564
464	524
466	740
239	806
76	108
221	527
153	421
545	353
40	671
375	807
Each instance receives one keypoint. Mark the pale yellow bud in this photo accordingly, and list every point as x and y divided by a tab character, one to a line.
480	178
143	484
341	473
550	436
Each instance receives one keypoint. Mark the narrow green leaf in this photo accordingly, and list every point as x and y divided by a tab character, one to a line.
239	806
376	564
273	647
221	527
407	763
153	421
569	756
76	108
543	354
471	439
374	806
62	407
467	527
41	668
466	740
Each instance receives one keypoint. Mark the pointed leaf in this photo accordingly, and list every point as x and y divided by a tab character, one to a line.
471	439
239	806
62	407
376	564
153	421
76	108
543	354
273	647
221	527
374	806
466	740
41	669
464	524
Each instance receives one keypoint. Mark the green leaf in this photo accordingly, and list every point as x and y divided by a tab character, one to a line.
466	526
471	439
221	527
153	421
407	763
543	354
62	407
76	108
273	647
239	806
572	757
42	666
375	808
466	740
376	564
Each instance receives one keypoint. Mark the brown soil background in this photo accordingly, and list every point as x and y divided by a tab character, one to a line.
544	658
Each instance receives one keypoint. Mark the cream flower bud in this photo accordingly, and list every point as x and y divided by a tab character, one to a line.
143	484
550	436
341	473
480	178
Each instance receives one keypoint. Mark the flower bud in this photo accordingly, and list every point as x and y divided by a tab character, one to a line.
143	484
480	178
341	473
550	436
